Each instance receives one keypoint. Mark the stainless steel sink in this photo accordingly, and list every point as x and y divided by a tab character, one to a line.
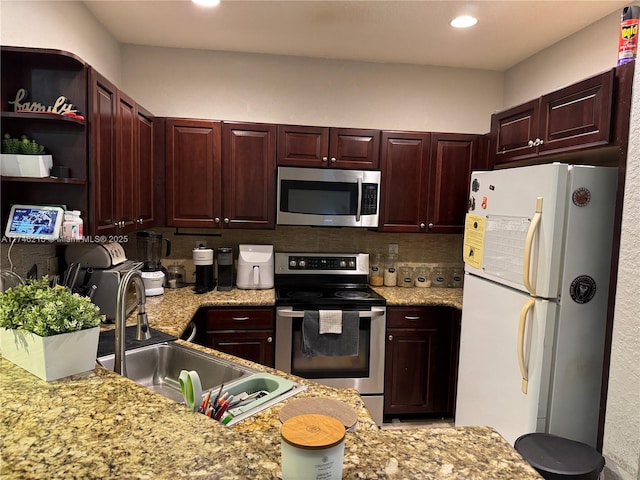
158	367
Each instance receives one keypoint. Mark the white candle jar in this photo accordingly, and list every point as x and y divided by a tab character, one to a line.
312	448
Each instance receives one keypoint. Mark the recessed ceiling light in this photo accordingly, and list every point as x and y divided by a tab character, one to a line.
463	21
206	3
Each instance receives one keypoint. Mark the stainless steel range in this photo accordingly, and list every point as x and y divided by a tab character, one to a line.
317	294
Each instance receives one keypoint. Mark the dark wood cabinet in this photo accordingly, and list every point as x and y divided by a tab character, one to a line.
425	180
248	175
575	117
45	75
123	164
453	157
405	176
246	332
149	187
193	156
324	147
220	175
421	360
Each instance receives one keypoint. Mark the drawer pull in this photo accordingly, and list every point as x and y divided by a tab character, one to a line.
239	319
411	317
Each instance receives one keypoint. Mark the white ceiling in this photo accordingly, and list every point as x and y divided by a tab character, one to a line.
415	32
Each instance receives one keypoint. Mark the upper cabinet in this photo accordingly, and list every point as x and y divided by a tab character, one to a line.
248	175
220	175
425	180
575	117
193	156
324	147
123	161
46	76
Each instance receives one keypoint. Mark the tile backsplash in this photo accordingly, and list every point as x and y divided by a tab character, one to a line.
412	248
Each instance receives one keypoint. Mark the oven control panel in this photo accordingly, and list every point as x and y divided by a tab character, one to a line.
321	263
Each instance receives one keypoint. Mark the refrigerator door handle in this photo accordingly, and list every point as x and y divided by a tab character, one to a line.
533	227
521	331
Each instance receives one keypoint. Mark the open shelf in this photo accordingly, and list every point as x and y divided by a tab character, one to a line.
69	181
42	117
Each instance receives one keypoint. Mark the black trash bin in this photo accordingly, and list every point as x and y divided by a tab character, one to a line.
558	458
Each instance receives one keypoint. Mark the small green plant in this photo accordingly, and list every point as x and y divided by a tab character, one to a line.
24	145
38	308
10	145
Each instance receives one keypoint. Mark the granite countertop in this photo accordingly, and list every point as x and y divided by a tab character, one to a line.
101	425
173	311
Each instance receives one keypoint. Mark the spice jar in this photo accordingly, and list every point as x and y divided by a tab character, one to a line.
376	270
439	277
390	271
422	277
405	276
457	277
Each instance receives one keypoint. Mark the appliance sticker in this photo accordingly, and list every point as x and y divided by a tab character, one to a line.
473	244
484	203
582	289
471	204
475	185
581	197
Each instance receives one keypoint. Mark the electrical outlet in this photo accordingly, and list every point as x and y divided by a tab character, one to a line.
52	266
393	249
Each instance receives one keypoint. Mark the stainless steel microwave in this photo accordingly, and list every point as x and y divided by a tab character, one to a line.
328	197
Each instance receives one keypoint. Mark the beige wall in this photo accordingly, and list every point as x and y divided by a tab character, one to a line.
581	55
68	26
622	425
280	89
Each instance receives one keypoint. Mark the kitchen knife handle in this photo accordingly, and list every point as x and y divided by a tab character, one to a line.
526	267
522	324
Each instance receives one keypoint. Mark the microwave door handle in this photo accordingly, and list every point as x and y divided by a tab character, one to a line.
359	208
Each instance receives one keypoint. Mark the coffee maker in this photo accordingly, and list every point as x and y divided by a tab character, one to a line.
225	269
149	245
203	261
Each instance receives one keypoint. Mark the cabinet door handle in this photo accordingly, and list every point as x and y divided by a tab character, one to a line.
226	220
540	141
333	159
390	338
216	220
324	159
422	226
140	221
412	317
531	144
269	339
430	226
240	319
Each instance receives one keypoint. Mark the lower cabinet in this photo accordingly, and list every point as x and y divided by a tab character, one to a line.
421	360
245	332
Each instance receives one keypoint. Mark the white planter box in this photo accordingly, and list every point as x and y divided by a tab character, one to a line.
14	165
51	357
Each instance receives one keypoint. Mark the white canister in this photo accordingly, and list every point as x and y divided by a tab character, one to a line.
312	448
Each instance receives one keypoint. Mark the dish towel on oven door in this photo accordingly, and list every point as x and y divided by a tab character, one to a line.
316	344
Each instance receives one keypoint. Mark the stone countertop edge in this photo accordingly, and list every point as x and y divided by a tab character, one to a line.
101	425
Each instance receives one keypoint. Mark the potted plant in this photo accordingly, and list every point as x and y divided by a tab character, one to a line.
49	331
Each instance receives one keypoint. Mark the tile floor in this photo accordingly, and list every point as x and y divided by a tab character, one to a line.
401	424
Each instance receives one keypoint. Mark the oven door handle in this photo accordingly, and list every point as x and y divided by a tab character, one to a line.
290	313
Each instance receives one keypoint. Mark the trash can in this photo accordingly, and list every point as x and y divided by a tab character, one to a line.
558	458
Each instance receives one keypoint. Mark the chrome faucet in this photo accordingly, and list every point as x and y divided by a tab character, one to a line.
121	316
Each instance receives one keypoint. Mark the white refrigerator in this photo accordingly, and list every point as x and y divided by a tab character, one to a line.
537	250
